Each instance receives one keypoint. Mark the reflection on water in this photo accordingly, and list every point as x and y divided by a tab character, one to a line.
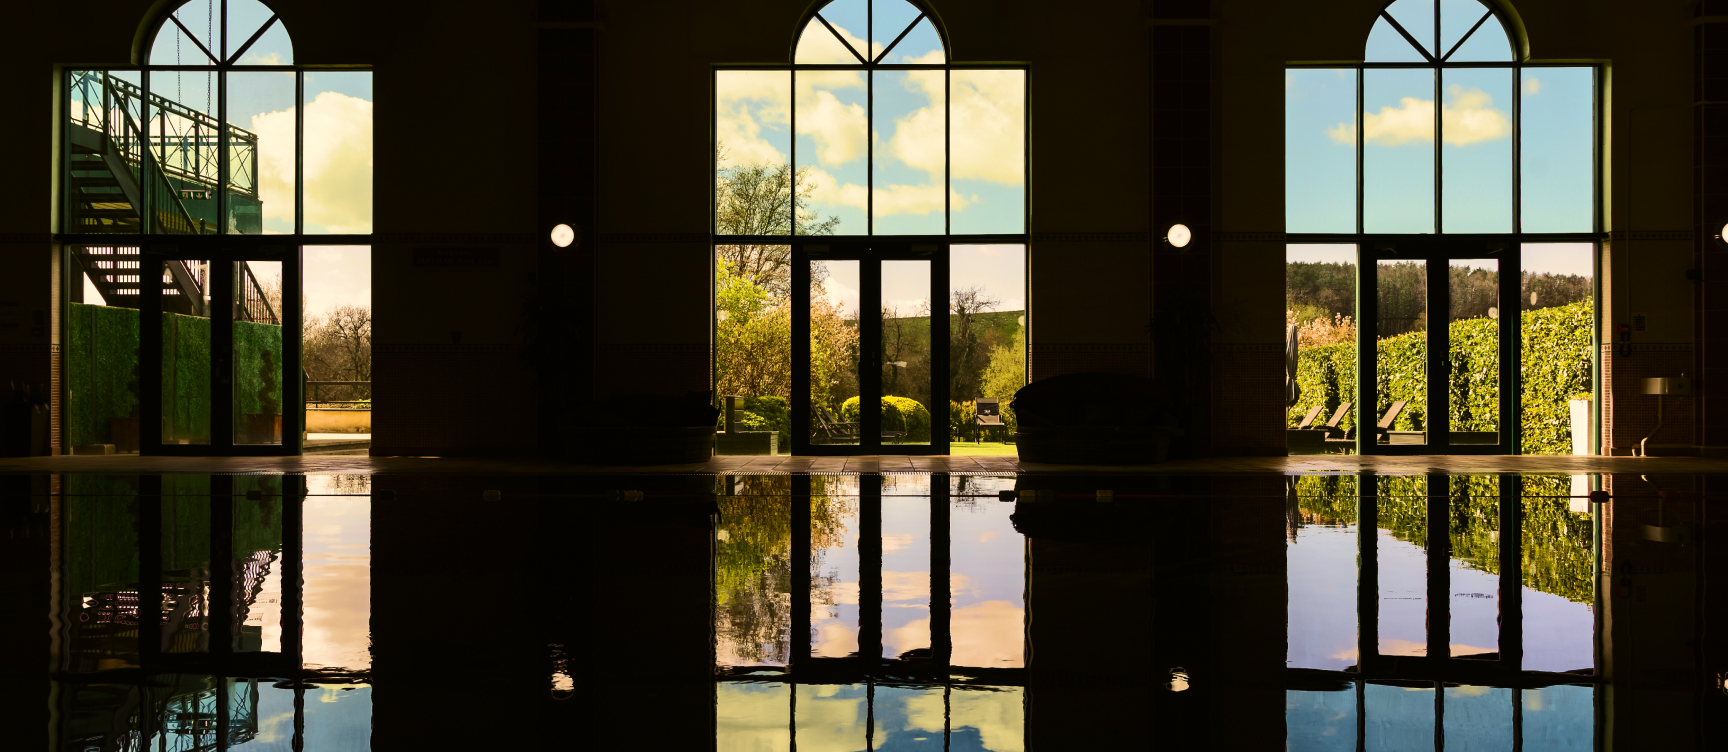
337	571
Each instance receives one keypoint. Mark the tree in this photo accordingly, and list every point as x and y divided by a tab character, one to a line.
338	347
967	351
757	199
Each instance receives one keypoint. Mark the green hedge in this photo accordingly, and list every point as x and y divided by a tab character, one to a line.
898	414
1556	548
774	413
1556	365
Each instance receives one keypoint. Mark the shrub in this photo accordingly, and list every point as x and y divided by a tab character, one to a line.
898	414
774	411
1555	363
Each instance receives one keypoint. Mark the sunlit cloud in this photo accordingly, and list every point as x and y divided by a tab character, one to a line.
839	130
337	161
1468	118
1532	86
818	47
916	199
989	112
746	103
992	633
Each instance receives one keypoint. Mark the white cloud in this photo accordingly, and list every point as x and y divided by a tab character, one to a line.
1469	118
1532	86
988	132
745	103
916	199
838	129
269	59
818	47
825	189
337	161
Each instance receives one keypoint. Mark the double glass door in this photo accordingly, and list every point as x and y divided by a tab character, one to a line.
870	348
1439	365
219	351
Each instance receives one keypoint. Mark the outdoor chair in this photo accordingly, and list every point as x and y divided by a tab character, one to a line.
827	430
1383	429
1331	426
1308	420
987	414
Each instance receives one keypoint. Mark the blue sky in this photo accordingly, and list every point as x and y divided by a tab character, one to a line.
837	130
1476	137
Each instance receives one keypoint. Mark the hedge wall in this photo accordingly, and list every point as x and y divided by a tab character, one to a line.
898	414
1556	365
102	372
1556	552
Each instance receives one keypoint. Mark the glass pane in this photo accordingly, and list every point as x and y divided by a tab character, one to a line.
988	583
1320	557
833	566
888	18
1320	301
173	47
1319	150
1478	718
1417	17
1474	523
752	152
986	343
1476	150
834	291
261	183
906	367
99	572
1398	718
921	45
102	129
1474	354
753	574
101	354
910	154
905	567
1402	517
185	352
1559	624
991	719
1401	367
1386	45
753	715
257	566
851	19
831	716
337	162
1398	151
182	167
909	718
1557	115
185	563
1559	719
1555	289
987	131
258	367
337	571
1488	44
832	151
818	46
1320	721
753	345
336	355
245	18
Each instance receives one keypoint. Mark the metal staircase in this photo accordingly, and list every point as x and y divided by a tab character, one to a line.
120	182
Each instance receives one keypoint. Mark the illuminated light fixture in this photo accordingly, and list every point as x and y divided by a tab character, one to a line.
1178	236
563	236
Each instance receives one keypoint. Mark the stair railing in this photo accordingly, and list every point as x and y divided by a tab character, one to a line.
202	131
254	305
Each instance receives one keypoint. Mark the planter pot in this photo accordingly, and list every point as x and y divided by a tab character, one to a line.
263	428
123	434
1095	445
1580	425
641	445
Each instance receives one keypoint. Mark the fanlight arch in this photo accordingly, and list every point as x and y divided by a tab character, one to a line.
1445	31
216	33
869	33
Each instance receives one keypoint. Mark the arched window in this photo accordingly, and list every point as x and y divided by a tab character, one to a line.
1440	183
861	189
194	187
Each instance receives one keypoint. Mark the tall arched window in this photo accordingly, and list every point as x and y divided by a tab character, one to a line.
1425	178
212	164
870	174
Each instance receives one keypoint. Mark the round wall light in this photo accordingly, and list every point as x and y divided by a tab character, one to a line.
563	236
1178	235
1722	235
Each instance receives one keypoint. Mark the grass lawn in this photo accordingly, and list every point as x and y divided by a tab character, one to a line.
963	448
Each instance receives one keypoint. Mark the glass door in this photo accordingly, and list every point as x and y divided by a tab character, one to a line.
215	375
866	334
1437	359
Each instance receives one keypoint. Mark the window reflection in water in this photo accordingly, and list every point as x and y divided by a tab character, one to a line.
838	698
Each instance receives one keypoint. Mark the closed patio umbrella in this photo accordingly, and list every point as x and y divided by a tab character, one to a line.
1292	391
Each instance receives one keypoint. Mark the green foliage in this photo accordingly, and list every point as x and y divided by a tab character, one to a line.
101	371
898	414
753	561
1555	363
1556	541
776	415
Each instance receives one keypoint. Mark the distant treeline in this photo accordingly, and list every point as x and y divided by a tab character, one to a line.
1323	290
